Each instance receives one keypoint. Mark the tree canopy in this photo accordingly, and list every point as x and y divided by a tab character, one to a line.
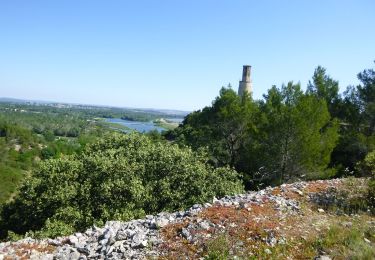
120	177
287	135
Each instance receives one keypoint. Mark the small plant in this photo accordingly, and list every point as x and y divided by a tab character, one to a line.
218	248
352	198
367	166
371	194
13	236
354	243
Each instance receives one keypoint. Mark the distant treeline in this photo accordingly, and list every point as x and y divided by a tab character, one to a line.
88	112
27	137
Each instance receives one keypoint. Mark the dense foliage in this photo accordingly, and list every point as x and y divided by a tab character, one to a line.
31	132
290	133
27	137
367	166
120	177
355	110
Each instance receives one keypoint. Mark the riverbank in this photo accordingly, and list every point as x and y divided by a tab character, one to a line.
166	124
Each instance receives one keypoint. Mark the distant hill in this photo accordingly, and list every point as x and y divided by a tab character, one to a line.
11	100
164	111
147	110
23	101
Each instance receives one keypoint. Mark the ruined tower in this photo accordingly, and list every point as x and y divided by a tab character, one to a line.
245	83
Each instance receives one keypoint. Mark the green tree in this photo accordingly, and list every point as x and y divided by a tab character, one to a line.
118	178
324	87
297	137
289	135
366	94
357	122
223	127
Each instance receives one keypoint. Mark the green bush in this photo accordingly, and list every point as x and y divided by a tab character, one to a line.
218	248
9	179
371	193
370	165
349	242
367	168
118	178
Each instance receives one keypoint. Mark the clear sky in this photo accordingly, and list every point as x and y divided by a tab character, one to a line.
176	54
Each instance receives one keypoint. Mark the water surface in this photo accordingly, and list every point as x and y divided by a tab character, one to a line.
142	127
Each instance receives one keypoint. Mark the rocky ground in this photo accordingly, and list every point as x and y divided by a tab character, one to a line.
304	220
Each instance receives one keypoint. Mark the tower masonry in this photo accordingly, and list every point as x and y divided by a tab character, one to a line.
245	84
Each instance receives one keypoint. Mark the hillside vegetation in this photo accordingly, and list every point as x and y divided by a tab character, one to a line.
30	136
329	219
30	133
64	171
290	134
120	177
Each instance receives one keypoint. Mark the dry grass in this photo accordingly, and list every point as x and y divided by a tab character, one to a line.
315	187
23	251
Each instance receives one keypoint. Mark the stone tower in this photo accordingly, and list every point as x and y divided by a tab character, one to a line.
245	83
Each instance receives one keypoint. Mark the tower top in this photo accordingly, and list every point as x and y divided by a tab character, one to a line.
246	82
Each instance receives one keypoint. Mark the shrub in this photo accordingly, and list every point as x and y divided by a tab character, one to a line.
371	193
370	164
348	242
118	178
367	166
218	248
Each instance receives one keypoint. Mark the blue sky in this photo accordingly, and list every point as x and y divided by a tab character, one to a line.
176	54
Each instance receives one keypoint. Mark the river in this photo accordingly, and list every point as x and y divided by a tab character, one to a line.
138	125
